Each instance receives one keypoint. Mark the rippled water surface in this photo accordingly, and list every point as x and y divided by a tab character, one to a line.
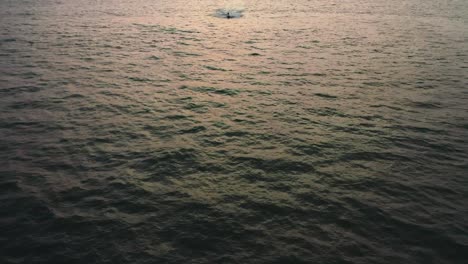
297	132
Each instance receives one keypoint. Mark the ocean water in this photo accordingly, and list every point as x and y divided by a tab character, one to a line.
305	131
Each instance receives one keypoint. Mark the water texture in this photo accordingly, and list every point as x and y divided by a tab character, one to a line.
300	132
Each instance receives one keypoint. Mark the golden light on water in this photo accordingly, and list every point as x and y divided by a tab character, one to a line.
291	132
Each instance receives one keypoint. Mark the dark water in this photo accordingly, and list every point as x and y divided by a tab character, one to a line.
300	132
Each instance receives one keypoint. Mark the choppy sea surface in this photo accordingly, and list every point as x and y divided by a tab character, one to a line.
318	131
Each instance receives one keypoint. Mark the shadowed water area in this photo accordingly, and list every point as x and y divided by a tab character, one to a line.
299	132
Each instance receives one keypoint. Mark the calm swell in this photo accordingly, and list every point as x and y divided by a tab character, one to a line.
296	132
